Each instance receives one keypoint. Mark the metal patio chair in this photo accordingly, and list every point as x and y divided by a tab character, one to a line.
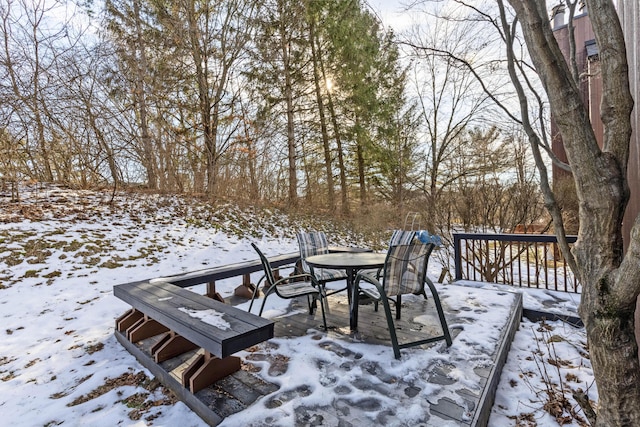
290	287
398	237
404	273
315	243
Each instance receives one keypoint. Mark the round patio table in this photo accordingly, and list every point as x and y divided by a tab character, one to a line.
351	262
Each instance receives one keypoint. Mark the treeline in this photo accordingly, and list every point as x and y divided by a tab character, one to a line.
303	103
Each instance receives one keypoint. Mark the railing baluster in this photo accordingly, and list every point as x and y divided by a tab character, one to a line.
466	248
473	258
519	265
555	266
546	269
488	264
457	254
566	278
496	262
528	265
511	263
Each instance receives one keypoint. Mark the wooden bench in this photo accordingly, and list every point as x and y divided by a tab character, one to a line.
188	321
211	275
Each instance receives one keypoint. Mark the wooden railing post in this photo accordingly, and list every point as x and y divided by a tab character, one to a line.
457	255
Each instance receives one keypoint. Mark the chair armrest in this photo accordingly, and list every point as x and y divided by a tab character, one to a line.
314	281
374	294
371	278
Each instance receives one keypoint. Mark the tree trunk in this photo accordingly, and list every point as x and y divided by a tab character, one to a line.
104	144
611	283
341	165
323	121
360	163
148	157
36	104
200	62
288	95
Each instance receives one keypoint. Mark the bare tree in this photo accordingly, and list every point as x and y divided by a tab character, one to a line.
128	23
215	36
31	45
139	48
451	101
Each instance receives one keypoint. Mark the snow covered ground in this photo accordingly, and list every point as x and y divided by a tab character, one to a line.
61	253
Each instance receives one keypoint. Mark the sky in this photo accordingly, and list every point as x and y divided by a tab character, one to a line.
391	13
61	253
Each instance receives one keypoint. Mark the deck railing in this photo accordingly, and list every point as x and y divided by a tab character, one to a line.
526	260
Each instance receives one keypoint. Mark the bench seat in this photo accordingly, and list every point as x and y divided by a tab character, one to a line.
188	321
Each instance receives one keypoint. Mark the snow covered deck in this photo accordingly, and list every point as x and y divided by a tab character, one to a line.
358	376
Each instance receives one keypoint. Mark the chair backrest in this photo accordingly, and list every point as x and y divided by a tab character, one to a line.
405	268
401	237
311	243
268	272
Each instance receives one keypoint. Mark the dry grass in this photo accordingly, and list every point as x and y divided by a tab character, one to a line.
557	396
364	227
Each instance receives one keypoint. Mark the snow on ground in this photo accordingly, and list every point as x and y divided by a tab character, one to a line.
62	252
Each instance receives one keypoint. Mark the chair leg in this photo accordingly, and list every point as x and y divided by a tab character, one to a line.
443	320
391	325
311	304
324	317
323	287
430	284
266	294
398	304
255	292
375	304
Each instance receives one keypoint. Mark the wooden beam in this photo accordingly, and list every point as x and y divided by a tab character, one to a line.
170	346
145	328
128	319
207	369
211	292
246	289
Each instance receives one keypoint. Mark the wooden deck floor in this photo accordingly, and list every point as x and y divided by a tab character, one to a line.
241	390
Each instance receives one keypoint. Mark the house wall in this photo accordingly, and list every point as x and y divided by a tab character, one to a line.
629	12
590	83
591	88
630	16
